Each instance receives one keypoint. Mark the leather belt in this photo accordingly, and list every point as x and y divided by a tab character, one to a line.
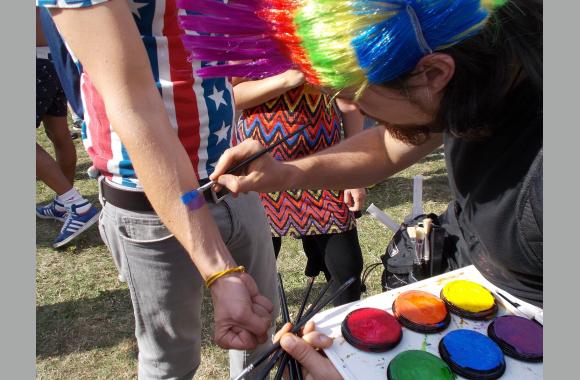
136	200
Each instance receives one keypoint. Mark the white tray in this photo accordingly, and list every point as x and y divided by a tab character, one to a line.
354	364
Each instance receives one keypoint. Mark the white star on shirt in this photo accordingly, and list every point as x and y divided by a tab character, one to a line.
222	134
136	6
218	98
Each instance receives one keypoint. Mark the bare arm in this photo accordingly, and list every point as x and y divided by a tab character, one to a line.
106	40
250	93
365	159
361	160
352	123
352	119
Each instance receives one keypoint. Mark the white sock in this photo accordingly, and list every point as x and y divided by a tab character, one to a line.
58	206
73	197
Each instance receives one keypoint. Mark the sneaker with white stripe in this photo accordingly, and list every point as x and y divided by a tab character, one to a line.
75	224
49	211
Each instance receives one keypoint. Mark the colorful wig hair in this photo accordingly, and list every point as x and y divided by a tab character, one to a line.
336	43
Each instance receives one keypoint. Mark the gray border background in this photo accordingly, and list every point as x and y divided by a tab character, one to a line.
561	185
17	157
561	105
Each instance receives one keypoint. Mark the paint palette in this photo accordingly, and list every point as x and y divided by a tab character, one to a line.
355	364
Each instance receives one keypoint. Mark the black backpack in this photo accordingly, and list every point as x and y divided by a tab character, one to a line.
400	263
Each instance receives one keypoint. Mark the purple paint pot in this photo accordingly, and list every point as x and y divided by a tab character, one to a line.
518	337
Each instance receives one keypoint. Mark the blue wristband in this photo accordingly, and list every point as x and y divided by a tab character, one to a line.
193	200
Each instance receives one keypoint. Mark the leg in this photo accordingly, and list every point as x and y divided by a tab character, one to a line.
313	248
49	108
343	258
166	292
48	171
277	242
66	155
250	244
56	126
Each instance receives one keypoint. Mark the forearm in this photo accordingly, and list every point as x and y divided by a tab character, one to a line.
252	93
362	160
106	41
165	172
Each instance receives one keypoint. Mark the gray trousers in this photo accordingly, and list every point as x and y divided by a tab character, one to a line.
166	288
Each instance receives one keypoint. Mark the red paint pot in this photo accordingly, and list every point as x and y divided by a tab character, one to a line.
372	330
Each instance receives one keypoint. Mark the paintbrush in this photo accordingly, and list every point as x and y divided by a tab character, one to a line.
268	367
524	310
286	319
253	157
285	356
313	311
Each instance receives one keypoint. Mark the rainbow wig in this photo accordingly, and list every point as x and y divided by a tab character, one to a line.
336	43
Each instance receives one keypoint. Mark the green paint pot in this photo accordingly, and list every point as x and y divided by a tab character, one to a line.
418	365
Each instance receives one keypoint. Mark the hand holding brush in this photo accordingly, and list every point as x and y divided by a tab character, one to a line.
245	153
312	311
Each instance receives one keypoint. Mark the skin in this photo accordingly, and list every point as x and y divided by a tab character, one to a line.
368	157
106	41
59	174
250	93
305	350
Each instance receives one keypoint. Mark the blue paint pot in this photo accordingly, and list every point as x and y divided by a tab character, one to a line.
472	355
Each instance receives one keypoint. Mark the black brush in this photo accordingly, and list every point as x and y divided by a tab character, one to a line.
285	356
313	310
254	156
286	317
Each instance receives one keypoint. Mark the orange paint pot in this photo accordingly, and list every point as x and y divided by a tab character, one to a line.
421	311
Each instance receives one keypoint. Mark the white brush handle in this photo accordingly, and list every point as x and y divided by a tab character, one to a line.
382	217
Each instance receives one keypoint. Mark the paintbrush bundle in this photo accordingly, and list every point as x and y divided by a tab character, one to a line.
275	352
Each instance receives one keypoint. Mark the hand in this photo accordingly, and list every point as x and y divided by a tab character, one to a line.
264	174
242	315
293	78
314	365
355	199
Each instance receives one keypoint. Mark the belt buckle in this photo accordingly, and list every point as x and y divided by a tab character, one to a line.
219	196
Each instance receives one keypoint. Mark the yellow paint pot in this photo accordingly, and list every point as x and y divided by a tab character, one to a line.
469	299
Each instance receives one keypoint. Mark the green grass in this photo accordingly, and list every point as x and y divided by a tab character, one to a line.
84	319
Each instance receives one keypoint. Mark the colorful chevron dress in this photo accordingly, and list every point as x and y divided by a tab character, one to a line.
299	212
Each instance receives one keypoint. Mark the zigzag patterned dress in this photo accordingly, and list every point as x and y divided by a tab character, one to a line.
299	212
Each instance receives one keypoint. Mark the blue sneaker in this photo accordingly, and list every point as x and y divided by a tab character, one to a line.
75	224
49	211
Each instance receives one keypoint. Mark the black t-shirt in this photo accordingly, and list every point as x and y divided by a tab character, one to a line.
497	186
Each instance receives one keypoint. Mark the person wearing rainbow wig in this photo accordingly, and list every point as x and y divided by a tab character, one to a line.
463	73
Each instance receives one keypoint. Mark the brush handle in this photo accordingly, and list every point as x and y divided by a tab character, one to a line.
264	151
305	300
312	311
283	300
282	366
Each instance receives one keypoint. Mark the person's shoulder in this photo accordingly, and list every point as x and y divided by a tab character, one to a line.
68	3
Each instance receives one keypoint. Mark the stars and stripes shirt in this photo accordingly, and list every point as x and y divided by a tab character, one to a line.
200	110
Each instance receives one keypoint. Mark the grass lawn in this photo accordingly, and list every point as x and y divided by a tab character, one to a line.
84	319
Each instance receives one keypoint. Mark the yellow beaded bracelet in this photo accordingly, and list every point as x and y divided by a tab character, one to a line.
211	279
